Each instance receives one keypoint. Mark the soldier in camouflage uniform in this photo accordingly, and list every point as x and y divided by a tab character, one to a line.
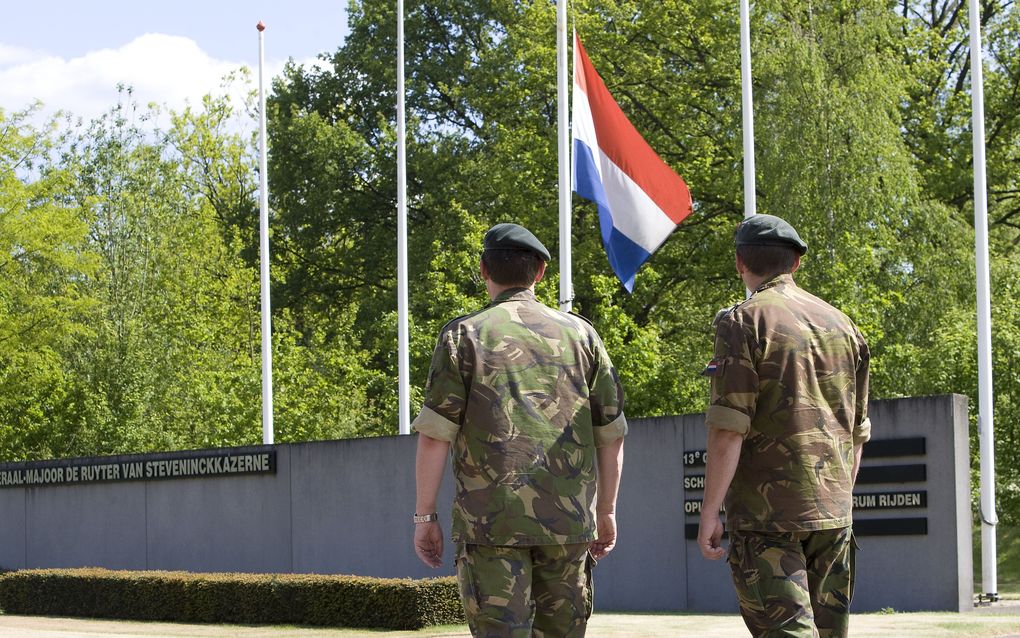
786	423
527	399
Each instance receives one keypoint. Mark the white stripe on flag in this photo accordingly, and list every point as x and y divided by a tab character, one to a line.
645	224
584	127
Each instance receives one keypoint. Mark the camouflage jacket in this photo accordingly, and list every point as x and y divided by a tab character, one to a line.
525	394
790	373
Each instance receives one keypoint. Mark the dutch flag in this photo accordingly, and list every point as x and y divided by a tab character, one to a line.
640	199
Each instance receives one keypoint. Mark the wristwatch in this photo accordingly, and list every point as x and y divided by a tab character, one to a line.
425	518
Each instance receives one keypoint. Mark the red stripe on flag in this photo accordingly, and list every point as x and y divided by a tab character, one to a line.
622	143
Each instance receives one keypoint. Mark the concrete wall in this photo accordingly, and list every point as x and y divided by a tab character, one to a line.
345	506
934	571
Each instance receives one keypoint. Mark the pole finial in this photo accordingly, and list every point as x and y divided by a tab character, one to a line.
261	26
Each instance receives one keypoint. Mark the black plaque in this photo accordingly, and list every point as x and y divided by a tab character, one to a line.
914	446
691	532
694	482
140	467
891	500
865	527
912	473
891	526
695	458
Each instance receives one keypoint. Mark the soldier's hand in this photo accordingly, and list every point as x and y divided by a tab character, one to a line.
606	541
428	543
710	533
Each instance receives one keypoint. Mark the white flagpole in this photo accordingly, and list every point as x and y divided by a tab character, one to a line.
563	135
747	107
403	364
986	431
267	336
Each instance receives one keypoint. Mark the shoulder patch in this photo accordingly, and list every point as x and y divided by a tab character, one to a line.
714	367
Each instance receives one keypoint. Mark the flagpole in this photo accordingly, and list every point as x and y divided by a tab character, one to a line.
563	137
267	336
403	365
747	107
986	431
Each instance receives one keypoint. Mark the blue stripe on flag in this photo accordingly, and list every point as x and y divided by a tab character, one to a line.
625	256
587	183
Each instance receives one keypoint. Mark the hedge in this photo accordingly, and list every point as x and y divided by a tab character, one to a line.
246	599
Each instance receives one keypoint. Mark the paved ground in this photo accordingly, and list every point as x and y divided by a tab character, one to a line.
997	621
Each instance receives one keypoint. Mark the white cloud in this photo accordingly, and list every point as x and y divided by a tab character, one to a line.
10	55
165	69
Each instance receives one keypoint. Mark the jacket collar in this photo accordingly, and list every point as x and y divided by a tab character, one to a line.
514	294
784	279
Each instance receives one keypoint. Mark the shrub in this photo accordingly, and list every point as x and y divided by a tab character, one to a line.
298	599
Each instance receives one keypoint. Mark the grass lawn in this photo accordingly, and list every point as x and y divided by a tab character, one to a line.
602	625
1008	554
990	622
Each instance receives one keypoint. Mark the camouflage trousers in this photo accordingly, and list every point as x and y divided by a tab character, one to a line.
796	584
543	591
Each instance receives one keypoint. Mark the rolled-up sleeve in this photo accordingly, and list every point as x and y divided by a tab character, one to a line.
445	393
433	424
606	434
862	432
722	418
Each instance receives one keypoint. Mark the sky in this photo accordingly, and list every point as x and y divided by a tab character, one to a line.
72	54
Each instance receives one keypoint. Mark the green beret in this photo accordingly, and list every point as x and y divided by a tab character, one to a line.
768	230
514	237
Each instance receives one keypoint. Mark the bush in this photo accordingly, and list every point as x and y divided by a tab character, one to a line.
279	599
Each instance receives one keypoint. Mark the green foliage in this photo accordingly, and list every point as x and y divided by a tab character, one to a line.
321	387
1007	538
245	599
165	359
131	299
832	159
132	323
938	130
43	304
1006	384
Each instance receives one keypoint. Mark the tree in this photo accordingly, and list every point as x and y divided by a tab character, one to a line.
482	109
938	129
42	301
164	347
151	325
